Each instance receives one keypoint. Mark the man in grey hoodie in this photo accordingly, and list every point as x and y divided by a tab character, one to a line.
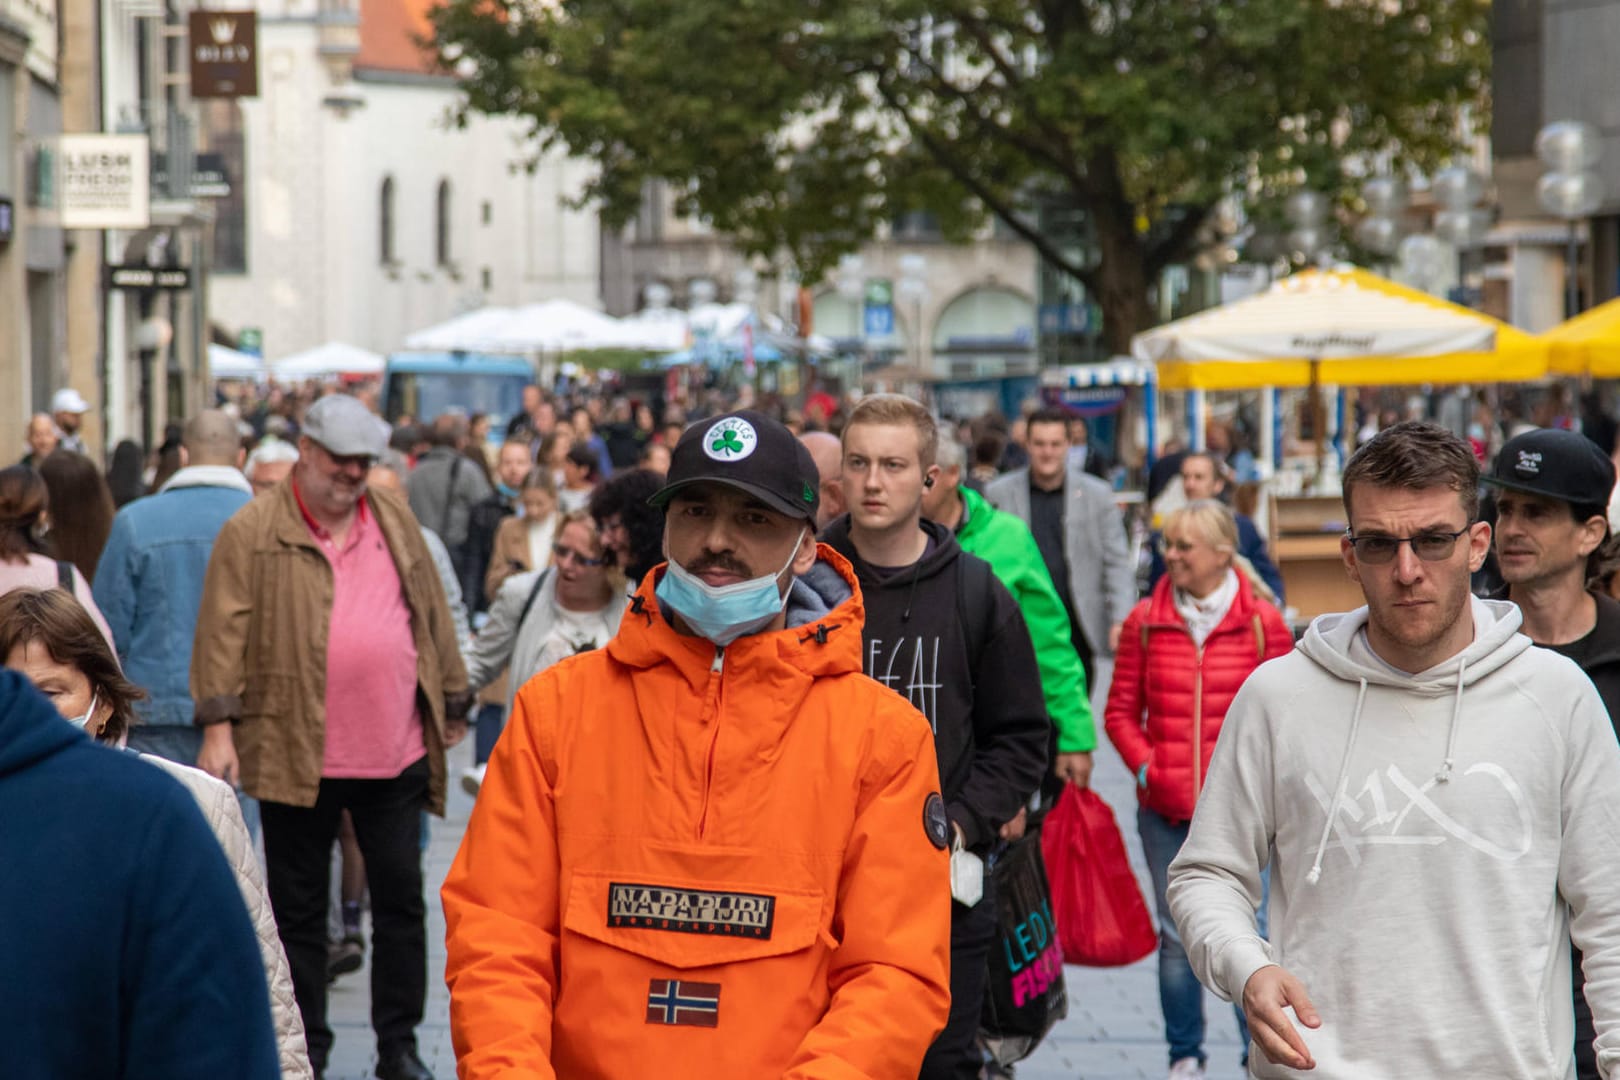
1437	801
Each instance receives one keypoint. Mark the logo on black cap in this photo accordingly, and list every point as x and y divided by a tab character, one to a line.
731	439
1529	463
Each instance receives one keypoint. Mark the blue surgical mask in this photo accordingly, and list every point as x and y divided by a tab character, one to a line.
80	721
508	492
724	613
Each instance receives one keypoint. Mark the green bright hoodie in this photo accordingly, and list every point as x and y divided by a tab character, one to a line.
1006	543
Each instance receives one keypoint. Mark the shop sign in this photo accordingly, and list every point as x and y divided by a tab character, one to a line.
103	181
166	278
224	54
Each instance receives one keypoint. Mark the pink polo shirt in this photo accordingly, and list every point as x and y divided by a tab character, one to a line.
373	728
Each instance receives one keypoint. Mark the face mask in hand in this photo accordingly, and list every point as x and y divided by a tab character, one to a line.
81	722
967	875
724	613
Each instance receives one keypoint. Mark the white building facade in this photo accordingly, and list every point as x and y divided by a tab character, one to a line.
360	212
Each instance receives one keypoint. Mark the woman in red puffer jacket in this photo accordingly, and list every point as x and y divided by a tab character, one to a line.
1183	654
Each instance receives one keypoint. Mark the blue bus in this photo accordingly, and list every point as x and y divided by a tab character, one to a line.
424	385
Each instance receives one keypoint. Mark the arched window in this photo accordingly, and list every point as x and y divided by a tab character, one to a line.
385	210
441	232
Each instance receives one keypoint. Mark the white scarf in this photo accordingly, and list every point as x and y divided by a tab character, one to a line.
1204	615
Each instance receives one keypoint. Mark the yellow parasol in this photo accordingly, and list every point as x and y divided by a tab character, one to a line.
1347	327
1588	344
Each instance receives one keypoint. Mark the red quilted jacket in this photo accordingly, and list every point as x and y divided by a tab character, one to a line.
1169	697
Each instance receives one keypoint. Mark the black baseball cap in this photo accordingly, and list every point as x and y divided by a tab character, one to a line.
1557	464
751	452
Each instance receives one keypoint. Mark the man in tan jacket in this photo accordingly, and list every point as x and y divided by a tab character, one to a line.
327	678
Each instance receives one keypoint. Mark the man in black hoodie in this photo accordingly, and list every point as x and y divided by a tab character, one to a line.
945	634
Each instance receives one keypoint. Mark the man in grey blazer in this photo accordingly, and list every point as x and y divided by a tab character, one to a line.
1081	535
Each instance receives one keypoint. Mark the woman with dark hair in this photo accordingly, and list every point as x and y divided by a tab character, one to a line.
81	509
27	560
582	474
167	461
124	477
48	636
632	531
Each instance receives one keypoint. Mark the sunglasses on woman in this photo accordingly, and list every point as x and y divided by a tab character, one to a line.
560	552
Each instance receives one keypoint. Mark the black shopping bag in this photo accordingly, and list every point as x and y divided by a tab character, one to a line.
1025	994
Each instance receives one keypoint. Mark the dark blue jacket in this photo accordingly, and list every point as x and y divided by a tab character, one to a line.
1251	545
125	948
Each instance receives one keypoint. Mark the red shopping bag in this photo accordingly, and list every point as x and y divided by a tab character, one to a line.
1102	920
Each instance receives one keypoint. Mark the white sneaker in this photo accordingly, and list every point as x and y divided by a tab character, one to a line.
472	779
1187	1068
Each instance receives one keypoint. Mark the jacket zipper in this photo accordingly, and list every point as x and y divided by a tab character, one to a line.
1198	721
716	672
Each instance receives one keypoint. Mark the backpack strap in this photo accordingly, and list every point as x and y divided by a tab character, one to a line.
64	575
973	584
449	499
1259	639
534	594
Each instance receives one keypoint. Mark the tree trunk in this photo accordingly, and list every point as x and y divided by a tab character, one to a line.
1123	295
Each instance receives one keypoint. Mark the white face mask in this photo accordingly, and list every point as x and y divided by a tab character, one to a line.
82	722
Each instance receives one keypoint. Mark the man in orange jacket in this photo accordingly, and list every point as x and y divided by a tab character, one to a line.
713	848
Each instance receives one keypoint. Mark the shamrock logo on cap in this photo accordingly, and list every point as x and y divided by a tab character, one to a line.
730	439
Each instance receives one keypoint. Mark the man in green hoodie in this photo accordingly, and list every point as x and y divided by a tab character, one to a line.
1006	543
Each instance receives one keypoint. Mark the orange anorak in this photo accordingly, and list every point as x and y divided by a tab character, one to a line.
692	862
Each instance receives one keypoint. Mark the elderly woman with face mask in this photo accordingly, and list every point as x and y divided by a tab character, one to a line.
48	636
1183	654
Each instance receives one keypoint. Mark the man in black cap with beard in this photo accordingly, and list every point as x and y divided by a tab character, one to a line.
1552	497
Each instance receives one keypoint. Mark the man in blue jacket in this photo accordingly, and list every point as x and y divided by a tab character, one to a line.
149	581
126	948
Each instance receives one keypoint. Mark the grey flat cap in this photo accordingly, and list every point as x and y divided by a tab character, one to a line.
343	425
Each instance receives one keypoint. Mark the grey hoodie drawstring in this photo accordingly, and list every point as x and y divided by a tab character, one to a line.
1444	775
1338	787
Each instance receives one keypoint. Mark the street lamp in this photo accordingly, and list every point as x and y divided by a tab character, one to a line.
1380	231
913	287
1461	221
1571	189
850	282
1307	212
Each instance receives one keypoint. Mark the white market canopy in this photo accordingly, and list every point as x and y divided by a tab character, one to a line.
467	332
333	358
225	363
547	326
1344	326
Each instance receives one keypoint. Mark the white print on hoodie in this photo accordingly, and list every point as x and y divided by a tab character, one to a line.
1434	841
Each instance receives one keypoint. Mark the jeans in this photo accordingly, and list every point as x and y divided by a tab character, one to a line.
298	857
490	722
955	1053
1180	996
182	745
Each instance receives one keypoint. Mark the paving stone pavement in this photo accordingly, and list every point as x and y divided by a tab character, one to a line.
1114	1030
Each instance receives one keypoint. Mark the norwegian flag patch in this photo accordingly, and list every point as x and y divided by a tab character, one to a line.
683	1004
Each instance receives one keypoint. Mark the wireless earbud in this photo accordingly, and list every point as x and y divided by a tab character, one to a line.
928	481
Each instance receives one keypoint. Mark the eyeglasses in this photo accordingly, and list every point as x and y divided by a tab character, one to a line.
349	461
1180	547
1429	546
560	552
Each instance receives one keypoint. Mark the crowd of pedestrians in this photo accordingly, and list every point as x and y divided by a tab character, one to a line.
758	699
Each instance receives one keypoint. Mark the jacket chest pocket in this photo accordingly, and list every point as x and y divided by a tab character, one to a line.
691	921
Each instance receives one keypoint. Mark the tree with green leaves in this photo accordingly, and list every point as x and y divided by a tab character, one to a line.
799	126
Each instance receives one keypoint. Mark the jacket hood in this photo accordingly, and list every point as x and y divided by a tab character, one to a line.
823	635
945	552
1331	643
30	729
